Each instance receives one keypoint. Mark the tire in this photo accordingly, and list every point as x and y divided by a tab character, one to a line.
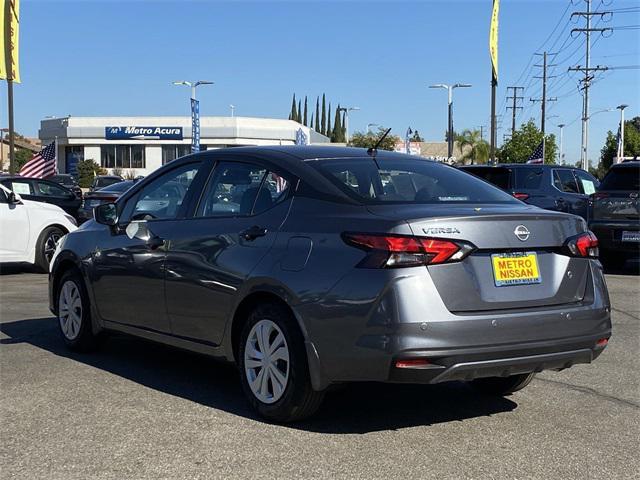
286	394
74	313
502	385
46	246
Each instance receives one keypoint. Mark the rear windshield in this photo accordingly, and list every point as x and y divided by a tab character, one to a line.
498	176
528	178
407	181
103	182
624	178
117	187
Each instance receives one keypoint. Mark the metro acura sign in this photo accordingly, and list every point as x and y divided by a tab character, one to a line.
143	133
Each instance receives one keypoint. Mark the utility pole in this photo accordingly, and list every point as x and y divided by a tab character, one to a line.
587	69
560	156
515	106
481	132
543	101
621	147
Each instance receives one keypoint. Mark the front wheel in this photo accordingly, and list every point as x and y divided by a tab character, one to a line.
74	313
502	385
273	366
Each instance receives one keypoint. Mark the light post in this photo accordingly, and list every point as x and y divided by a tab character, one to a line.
233	108
621	152
195	112
560	156
346	111
369	125
449	89
585	159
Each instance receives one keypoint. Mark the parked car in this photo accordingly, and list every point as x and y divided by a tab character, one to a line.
98	197
102	181
30	230
615	213
68	181
40	190
552	187
333	277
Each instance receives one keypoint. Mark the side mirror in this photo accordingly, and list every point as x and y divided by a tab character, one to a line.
13	198
106	214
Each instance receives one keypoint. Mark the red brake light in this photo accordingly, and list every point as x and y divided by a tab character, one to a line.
412	363
521	196
583	245
393	251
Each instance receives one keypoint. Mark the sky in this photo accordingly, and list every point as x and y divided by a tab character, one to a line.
102	58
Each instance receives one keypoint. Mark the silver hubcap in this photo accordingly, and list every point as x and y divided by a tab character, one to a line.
70	310
266	361
50	245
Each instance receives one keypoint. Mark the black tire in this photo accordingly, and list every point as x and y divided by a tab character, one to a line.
299	400
45	247
502	385
83	339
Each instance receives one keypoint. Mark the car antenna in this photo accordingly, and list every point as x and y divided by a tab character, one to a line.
374	150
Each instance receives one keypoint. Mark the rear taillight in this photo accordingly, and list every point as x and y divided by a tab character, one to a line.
393	251
583	245
521	196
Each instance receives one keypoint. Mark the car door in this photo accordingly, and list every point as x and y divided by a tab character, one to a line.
15	231
568	196
587	184
233	227
50	192
128	273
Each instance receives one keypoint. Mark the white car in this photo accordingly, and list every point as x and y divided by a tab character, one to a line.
29	231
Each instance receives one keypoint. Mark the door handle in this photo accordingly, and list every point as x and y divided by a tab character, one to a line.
254	232
155	242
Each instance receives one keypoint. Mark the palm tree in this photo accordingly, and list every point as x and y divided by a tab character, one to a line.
478	150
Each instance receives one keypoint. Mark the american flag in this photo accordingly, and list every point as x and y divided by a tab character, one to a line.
42	164
537	155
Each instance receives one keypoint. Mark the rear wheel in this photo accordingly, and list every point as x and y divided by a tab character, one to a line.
273	366
74	313
502	385
46	247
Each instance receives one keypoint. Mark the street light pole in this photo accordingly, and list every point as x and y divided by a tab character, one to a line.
449	89
195	112
560	158
232	107
369	125
621	152
346	111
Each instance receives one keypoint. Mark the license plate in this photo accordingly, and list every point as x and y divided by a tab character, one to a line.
631	236
515	269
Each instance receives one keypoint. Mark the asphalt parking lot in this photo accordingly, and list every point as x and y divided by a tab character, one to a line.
140	410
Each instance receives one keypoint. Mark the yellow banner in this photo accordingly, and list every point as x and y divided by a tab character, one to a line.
9	29
493	38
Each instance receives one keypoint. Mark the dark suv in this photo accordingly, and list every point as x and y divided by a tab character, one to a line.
614	216
553	187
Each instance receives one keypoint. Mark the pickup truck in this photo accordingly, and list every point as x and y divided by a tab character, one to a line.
615	214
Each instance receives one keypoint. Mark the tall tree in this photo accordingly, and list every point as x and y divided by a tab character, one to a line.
299	119
337	127
473	147
304	118
323	125
311	127
524	141
631	143
343	128
416	137
293	114
318	114
369	139
329	123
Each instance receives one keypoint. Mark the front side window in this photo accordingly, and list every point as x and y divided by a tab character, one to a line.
22	188
163	197
586	183
565	181
407	181
51	190
233	190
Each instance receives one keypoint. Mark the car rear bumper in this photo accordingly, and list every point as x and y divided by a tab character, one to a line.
609	235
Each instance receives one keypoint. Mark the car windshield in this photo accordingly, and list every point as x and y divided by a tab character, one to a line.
407	181
118	187
623	178
498	176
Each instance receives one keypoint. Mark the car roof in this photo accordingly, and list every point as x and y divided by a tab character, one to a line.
627	164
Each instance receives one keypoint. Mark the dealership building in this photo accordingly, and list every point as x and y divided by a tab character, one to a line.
139	145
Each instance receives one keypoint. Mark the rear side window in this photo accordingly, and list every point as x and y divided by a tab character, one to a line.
22	188
624	178
528	178
586	183
565	181
233	190
407	181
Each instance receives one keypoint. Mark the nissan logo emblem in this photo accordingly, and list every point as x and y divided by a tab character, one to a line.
522	233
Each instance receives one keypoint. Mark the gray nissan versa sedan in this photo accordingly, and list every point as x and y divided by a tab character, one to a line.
313	266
